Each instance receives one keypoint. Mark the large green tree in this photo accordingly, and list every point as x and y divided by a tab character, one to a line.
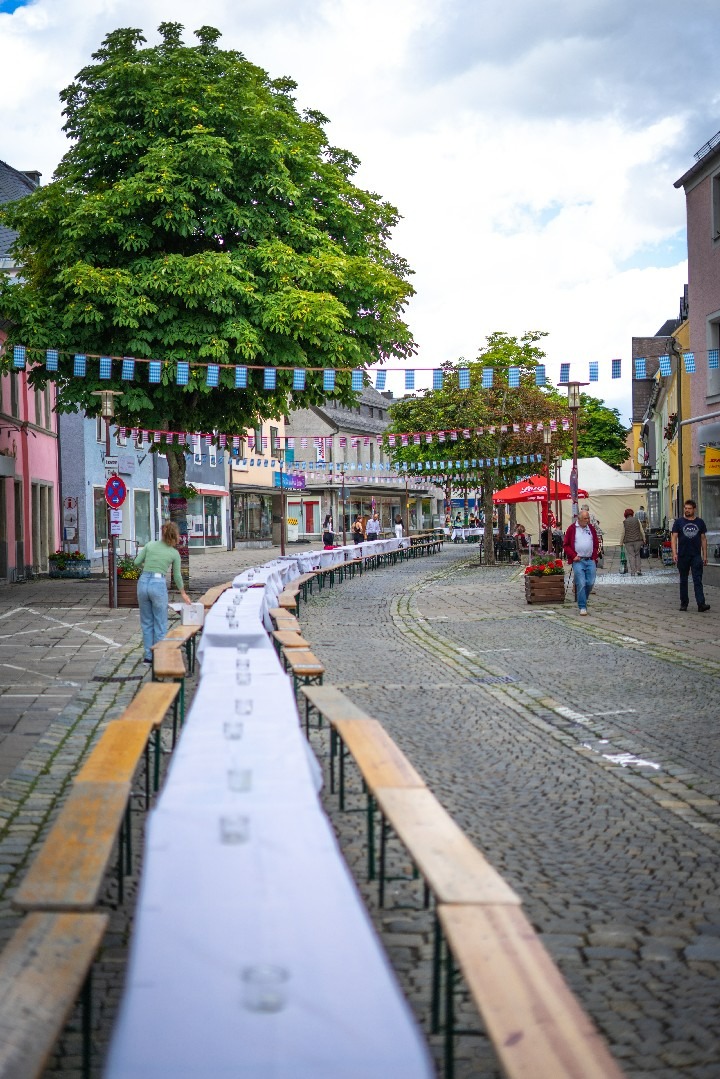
499	407
600	432
199	216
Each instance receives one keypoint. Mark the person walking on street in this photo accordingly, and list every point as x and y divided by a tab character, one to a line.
581	546
398	527
156	558
642	517
689	550
633	538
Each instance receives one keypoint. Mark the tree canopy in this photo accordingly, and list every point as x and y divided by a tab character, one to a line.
600	432
200	217
499	407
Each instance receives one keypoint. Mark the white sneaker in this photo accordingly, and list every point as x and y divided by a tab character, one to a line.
583	610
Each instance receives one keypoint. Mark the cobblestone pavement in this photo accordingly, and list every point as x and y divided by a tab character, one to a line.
497	704
581	755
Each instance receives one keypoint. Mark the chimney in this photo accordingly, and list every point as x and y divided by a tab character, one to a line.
33	175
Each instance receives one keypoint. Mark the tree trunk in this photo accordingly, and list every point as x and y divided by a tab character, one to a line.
513	516
488	538
501	521
178	504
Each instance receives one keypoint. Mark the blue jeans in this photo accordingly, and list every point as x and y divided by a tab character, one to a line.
153	600
686	565
584	573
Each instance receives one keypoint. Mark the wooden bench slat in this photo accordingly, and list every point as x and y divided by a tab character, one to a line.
116	755
183	633
168	660
303	662
152	702
454	868
213	594
67	872
380	761
42	970
288	601
537	1026
332	704
290	639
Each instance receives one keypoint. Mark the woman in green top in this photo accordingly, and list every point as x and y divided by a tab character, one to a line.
157	557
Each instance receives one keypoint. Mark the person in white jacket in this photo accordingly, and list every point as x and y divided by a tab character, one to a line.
399	527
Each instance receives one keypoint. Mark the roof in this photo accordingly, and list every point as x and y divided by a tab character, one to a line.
705	156
13	185
344	419
596	476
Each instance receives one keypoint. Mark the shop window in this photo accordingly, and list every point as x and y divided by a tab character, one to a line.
212	507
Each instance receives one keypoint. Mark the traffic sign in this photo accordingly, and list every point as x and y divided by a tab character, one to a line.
115	492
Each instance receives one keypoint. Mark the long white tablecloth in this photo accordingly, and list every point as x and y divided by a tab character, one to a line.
207	910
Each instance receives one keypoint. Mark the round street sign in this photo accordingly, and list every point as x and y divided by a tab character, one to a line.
115	492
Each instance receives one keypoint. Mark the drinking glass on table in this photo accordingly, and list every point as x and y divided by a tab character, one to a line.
234	828
233	728
265	987
243	706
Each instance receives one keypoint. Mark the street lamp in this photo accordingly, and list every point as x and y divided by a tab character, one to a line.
280	454
558	503
573	389
547	439
342	497
107	411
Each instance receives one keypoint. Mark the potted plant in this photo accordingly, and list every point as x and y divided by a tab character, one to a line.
127	578
68	564
545	580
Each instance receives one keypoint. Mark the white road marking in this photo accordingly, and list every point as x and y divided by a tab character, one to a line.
465	652
72	625
41	674
624	759
630	640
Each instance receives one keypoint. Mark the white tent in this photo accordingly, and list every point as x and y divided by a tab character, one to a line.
610	494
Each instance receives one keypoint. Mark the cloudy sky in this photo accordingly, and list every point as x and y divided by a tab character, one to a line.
530	147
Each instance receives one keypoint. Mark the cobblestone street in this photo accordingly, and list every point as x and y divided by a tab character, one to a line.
579	754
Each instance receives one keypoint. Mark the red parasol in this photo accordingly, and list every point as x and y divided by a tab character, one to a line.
534	489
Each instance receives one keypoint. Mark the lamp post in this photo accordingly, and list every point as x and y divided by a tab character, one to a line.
342	496
547	439
573	389
107	411
558	503
280	454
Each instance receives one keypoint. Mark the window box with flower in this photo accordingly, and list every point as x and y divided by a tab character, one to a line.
545	580
68	564
671	427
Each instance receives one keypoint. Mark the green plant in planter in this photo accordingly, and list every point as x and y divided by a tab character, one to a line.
62	560
127	570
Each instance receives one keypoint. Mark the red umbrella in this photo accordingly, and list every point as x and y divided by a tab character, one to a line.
534	489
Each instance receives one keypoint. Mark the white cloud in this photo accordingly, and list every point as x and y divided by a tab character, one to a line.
531	151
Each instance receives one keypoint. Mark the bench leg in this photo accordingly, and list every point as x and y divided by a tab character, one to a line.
86	1006
436	977
333	751
157	759
381	870
120	867
128	841
342	774
371	836
147	776
449	1016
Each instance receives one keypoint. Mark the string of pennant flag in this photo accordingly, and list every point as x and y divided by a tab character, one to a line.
108	367
324	443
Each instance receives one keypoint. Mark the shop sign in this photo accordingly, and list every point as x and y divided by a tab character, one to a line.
712	461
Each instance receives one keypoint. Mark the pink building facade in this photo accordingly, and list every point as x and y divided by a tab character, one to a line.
30	511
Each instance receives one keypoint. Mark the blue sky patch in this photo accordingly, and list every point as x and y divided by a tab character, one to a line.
8	6
658	256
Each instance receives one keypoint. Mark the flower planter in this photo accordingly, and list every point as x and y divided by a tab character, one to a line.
545	589
127	592
78	567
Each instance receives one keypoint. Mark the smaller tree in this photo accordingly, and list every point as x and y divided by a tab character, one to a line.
600	432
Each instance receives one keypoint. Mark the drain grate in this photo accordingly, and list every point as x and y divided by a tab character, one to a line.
492	679
117	677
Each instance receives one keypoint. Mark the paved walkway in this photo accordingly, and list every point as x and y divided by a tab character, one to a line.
580	754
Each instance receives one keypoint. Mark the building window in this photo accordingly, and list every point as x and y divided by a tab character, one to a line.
100	517
274	440
38	407
14	394
120	439
258	441
142	517
212	456
48	407
713	337
197	452
716	207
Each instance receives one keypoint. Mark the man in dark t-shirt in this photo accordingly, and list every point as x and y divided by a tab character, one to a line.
689	548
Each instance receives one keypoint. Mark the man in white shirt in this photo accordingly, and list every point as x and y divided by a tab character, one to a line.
372	528
581	546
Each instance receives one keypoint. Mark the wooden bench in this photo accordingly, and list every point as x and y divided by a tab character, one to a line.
284	639
213	594
305	583
168	665
536	1025
288	601
187	636
304	667
67	872
280	614
330	703
115	759
43	969
153	701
